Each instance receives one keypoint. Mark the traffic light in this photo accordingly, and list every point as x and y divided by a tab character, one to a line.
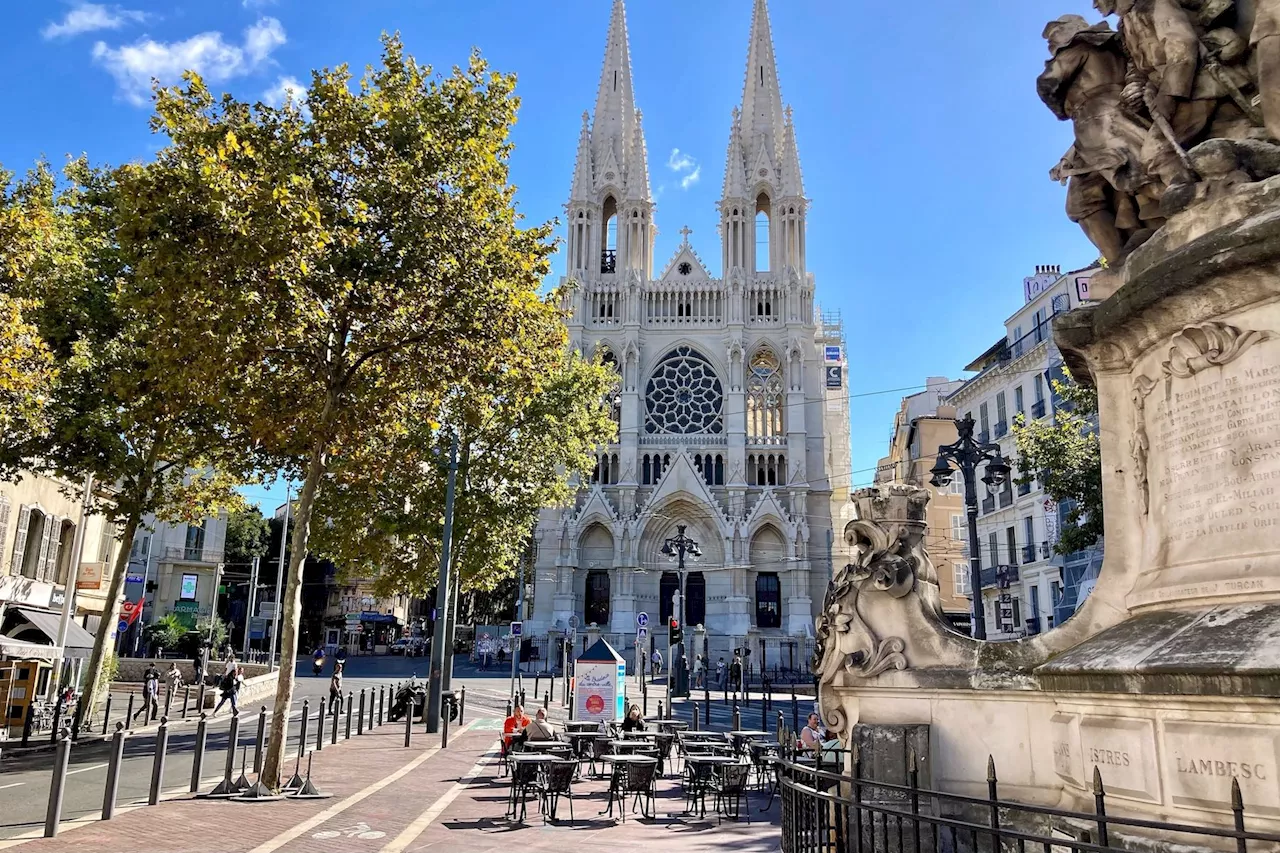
675	634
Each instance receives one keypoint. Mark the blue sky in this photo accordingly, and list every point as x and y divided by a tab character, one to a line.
925	150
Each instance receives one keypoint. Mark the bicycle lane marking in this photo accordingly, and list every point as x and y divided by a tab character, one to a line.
410	834
340	807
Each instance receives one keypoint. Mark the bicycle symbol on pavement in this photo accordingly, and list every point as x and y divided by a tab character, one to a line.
361	830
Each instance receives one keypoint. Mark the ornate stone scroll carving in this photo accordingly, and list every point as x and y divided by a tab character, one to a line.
1190	351
887	539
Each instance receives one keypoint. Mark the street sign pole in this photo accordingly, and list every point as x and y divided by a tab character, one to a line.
516	633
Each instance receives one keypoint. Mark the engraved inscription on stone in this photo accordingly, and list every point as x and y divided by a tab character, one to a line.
1202	759
1124	752
1215	460
1066	748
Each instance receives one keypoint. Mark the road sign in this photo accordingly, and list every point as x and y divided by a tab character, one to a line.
516	628
642	633
642	619
122	626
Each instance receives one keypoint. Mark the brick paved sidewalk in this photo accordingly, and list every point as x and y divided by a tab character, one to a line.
387	799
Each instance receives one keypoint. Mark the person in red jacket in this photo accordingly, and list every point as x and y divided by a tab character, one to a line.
513	727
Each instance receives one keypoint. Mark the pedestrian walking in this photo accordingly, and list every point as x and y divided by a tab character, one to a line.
229	684
656	660
699	673
735	672
150	695
720	673
201	662
174	677
335	688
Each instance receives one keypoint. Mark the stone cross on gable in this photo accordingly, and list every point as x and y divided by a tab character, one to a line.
686	231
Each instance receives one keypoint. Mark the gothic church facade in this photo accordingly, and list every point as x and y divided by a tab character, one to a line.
733	423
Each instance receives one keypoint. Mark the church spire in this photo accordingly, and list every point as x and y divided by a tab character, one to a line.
638	164
764	135
583	181
613	127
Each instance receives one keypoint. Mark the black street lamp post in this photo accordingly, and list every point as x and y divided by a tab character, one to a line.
676	548
968	454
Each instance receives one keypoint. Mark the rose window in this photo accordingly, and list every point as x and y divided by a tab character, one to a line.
683	395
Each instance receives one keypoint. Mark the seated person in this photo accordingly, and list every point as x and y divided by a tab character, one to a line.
633	722
513	728
540	729
811	736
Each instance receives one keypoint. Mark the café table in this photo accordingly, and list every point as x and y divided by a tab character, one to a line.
624	744
620	763
581	726
519	761
698	772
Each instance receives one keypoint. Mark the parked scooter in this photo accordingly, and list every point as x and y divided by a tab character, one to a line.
409	692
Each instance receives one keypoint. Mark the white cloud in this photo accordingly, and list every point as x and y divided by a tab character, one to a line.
257	4
679	161
90	17
287	87
135	66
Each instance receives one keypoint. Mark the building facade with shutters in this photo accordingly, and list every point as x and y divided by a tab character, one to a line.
731	400
1027	587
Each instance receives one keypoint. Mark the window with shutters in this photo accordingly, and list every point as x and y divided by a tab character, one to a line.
960	575
30	548
104	542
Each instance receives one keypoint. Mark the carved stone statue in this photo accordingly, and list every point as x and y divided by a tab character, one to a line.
1108	191
887	541
1197	113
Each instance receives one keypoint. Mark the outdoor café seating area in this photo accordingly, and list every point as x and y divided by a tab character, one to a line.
598	772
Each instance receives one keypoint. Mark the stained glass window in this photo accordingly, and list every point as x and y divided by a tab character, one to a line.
684	395
764	396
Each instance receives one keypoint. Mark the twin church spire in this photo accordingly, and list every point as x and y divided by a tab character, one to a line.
611	203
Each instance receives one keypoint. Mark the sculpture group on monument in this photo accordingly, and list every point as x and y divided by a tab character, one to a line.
1164	682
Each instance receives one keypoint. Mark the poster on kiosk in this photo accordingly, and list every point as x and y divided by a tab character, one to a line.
599	684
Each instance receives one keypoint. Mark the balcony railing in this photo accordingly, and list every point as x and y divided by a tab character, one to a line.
1002	429
1024	489
609	260
1001	576
1037	409
1028	554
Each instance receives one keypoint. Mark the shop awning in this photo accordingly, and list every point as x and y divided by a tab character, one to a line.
45	623
23	650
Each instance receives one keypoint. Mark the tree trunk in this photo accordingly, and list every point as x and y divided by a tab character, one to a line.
293	601
94	680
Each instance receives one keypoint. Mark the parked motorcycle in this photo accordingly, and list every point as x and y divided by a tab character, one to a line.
410	692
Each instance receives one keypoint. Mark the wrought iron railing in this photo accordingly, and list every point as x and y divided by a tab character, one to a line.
609	261
1037	409
830	812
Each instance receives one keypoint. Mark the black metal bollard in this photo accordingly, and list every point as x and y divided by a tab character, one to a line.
157	765
537	677
462	705
382	692
233	740
320	726
660	716
57	720
186	700
53	815
128	712
197	761
360	718
302	731
370	705
113	773
522	699
444	726
695	715
106	719
764	717
508	707
737	719
408	725
351	705
200	698
795	711
260	740
546	701
781	724
334	737
168	700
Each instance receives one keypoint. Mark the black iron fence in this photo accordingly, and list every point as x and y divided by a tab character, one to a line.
826	811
